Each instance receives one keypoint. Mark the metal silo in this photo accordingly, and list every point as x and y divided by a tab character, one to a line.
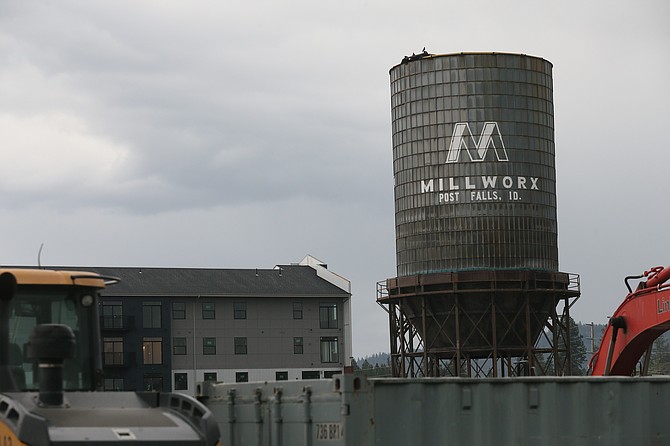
473	151
475	212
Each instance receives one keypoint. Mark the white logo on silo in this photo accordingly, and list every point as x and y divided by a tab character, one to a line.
489	139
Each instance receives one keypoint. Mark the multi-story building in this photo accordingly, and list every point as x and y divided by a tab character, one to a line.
168	328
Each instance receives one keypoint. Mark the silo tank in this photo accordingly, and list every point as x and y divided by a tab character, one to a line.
473	162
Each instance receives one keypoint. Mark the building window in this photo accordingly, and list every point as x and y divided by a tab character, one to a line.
240	346
152	350
208	310
297	310
151	314
240	310
281	376
329	348
210	376
180	381
311	374
113	351
179	346
297	346
112	315
115	384
328	315
178	310
209	346
241	377
153	383
330	373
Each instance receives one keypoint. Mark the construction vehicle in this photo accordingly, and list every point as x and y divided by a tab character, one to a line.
642	317
51	372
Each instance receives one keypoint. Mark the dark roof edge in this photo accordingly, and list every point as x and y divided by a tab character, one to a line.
197	296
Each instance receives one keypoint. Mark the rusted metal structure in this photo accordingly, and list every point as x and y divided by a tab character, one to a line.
480	323
478	291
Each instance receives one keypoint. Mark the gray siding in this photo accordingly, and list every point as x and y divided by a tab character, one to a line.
269	329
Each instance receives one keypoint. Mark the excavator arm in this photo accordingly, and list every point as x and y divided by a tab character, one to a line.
642	317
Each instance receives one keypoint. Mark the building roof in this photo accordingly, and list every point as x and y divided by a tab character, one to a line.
284	280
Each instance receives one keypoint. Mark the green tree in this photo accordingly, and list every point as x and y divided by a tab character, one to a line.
578	356
659	363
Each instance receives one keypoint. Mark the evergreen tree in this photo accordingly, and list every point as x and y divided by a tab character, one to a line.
578	356
659	364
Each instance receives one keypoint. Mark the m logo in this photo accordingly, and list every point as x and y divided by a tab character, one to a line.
476	150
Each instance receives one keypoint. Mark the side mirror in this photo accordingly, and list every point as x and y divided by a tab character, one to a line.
7	292
7	286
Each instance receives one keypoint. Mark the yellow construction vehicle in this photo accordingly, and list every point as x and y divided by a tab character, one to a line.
51	373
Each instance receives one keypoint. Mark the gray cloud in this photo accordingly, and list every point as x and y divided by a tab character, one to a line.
250	134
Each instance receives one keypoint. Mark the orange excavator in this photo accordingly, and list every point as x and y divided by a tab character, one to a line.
642	317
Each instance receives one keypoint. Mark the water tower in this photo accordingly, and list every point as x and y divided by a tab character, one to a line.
478	291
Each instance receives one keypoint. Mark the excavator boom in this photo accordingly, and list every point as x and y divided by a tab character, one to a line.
642	317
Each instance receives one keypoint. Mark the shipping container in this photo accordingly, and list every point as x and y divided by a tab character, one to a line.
352	410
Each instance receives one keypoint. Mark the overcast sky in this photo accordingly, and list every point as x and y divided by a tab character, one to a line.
244	134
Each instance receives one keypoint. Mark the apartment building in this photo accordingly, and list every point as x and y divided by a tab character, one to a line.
168	328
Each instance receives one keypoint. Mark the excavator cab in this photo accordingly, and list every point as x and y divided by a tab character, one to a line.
50	367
